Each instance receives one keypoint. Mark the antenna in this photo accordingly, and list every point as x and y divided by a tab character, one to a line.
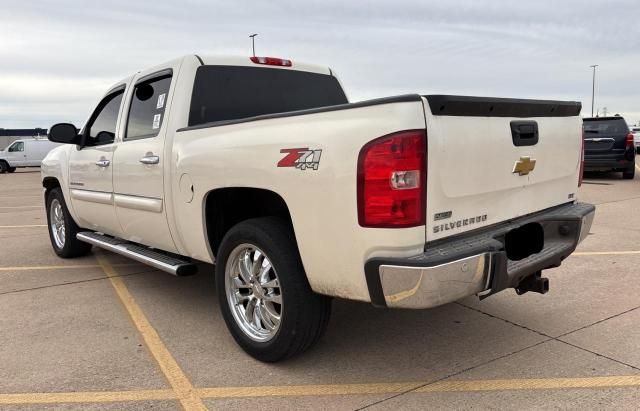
253	43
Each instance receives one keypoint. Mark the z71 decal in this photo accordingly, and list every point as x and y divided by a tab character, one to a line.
300	158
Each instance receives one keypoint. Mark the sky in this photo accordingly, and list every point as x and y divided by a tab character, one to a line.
57	58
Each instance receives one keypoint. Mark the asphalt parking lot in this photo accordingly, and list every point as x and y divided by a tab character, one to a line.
103	332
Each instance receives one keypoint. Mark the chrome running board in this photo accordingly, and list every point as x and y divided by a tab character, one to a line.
140	253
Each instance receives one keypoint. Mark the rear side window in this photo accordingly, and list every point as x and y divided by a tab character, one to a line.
146	113
232	92
606	126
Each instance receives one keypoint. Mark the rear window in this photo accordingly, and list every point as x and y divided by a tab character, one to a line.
147	108
232	92
606	126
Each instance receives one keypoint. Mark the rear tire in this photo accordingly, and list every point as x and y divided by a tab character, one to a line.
630	173
266	329
11	169
62	228
3	166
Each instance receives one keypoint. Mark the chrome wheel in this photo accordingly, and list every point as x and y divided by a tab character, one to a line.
253	292
56	222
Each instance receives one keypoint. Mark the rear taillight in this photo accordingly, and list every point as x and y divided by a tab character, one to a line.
271	61
581	161
629	140
392	181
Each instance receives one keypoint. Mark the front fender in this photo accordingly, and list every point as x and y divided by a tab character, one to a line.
56	165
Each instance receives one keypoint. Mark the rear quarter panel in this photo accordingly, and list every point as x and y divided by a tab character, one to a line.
322	203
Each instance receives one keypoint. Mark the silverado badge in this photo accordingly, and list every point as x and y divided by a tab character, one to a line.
524	166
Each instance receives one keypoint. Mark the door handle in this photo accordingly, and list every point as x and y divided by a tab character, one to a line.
150	159
103	163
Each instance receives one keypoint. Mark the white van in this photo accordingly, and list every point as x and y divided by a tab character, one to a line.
25	153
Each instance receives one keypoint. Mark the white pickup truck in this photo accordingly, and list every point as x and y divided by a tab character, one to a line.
261	166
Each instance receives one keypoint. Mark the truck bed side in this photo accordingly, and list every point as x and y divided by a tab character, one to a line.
322	202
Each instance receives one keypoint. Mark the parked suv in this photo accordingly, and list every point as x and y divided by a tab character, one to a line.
608	146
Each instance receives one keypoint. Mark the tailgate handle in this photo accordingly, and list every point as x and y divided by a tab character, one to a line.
524	133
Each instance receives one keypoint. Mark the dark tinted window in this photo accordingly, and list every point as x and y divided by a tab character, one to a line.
103	128
606	126
147	108
229	93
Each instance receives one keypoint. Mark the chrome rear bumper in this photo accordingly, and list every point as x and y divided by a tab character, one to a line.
476	263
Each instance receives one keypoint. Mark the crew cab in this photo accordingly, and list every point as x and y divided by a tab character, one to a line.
262	167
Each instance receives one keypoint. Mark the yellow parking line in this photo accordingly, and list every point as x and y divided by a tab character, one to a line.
442	386
307	390
62	267
23	226
606	253
181	385
86	397
533	384
618	381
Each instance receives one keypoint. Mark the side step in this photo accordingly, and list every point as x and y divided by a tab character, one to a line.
145	255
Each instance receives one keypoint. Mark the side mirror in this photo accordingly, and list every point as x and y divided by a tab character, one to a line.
64	133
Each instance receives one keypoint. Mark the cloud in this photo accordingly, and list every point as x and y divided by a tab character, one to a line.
59	57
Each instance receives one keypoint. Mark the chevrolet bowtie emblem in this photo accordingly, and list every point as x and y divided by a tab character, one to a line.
524	166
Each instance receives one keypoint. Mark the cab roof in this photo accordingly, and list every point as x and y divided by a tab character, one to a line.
246	61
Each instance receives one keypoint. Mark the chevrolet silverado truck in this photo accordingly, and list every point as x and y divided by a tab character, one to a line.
262	167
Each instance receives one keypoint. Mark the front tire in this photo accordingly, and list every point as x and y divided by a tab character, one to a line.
62	228
264	295
11	169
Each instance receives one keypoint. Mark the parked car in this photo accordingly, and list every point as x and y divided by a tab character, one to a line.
609	146
261	166
635	130
25	153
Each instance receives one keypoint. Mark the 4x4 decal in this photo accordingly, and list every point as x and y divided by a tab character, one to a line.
300	158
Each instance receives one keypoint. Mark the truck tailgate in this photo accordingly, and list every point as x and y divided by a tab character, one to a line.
494	159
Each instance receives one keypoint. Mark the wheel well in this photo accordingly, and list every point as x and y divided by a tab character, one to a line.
227	207
50	183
